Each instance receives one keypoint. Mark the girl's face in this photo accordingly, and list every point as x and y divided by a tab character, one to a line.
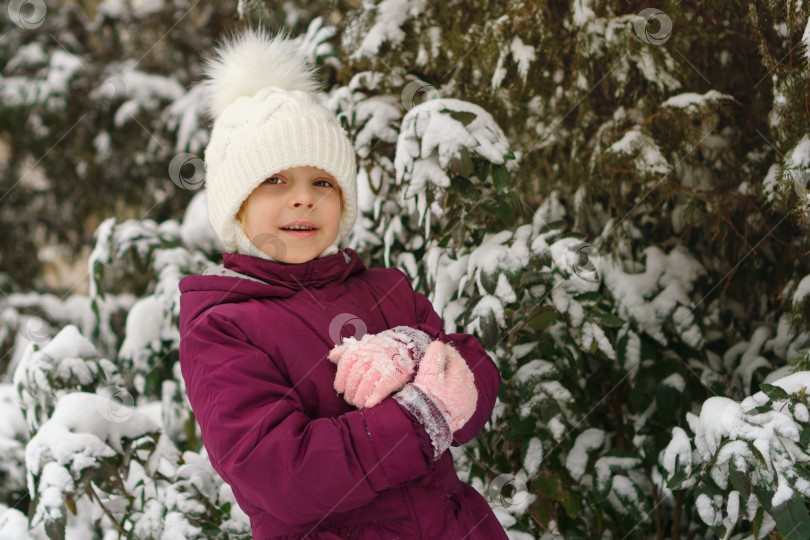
305	194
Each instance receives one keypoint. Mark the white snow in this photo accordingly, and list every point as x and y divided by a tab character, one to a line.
523	55
582	12
626	497
783	493
177	527
732	509
806	41
391	15
797	168
771	183
143	91
557	428
676	381
725	429
146	326
14	526
429	128
606	466
692	100
82	423
679	447
544	390
632	353
185	116
641	297
707	509
62	357
719	417
592	333
648	156
802	290
534	456
196	230
589	440
535	368
27	55
50	87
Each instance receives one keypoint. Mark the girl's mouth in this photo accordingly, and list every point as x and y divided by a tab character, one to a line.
301	233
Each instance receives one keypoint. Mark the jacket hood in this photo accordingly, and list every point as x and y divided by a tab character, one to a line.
241	277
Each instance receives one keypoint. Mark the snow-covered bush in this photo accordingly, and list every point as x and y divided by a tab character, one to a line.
750	459
113	445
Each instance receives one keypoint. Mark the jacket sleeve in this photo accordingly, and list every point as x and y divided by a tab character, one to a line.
487	376
260	441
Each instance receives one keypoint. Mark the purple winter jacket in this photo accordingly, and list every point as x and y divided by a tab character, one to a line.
302	462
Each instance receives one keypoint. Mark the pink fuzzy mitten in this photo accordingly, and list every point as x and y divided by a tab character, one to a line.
370	369
443	396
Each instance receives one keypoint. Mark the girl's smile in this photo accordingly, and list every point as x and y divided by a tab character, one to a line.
304	198
301	234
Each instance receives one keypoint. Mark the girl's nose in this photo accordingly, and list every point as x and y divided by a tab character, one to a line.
302	196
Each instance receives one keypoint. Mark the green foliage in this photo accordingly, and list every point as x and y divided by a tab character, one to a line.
143	476
753	455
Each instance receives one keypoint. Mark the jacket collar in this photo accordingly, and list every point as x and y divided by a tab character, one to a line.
315	273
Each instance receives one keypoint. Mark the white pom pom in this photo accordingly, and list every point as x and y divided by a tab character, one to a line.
250	61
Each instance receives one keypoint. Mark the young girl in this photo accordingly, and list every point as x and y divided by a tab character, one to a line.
326	392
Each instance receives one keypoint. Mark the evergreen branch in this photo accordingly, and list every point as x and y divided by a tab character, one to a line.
92	493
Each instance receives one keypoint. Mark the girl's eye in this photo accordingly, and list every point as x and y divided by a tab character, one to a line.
269	181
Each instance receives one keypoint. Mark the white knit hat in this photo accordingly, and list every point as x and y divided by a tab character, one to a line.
261	96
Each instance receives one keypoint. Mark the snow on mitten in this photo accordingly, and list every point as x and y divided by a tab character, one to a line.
417	342
370	369
443	396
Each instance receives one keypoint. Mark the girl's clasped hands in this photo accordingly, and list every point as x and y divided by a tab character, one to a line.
378	364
